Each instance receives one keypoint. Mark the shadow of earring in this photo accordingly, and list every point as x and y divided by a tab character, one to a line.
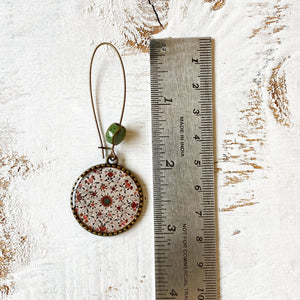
132	134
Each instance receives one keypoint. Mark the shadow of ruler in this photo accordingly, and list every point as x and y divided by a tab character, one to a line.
183	168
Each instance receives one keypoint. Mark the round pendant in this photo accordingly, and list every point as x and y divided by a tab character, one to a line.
106	199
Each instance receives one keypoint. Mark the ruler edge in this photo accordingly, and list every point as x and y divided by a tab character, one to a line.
214	153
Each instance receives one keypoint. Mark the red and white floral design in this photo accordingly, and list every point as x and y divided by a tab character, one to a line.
106	199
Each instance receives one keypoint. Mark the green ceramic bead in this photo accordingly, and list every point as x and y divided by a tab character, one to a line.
115	134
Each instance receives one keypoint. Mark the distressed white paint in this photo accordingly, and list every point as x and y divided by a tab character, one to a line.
46	115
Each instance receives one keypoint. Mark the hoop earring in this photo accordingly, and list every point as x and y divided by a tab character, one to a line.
107	199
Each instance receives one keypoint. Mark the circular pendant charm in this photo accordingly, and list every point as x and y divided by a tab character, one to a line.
106	199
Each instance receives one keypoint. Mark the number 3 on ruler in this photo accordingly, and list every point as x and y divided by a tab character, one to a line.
171	227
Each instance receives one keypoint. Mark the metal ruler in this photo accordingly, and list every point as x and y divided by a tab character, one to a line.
183	168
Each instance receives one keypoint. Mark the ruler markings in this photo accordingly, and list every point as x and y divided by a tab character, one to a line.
189	110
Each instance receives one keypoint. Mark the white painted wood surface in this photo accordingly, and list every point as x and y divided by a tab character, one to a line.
48	138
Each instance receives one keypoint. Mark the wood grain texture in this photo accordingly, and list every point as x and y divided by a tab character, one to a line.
217	4
47	138
136	20
279	103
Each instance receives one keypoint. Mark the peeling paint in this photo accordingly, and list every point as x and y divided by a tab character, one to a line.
236	232
217	4
240	203
137	21
13	241
234	206
139	33
144	37
241	148
277	88
271	23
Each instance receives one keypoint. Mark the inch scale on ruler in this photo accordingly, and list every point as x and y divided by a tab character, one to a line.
183	168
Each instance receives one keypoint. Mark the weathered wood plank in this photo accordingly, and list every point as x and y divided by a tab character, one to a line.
47	138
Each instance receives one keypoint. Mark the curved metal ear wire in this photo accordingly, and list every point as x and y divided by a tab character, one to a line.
92	99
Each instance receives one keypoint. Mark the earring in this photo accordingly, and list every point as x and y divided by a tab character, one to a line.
107	199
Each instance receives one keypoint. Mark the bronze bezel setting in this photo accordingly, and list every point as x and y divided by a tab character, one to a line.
140	198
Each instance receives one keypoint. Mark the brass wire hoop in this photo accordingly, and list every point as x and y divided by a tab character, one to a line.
108	181
102	147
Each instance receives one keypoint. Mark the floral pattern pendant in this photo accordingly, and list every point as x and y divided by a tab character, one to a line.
106	199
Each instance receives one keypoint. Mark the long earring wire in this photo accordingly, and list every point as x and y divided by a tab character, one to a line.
92	98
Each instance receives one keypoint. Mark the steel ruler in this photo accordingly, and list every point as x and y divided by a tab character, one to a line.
183	168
